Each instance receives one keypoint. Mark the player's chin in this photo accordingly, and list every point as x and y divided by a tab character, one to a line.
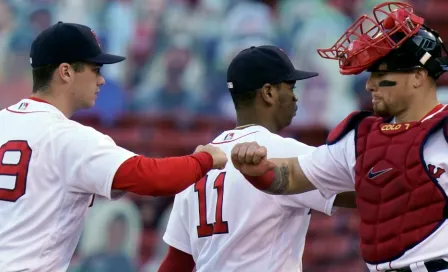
89	103
380	110
288	121
293	112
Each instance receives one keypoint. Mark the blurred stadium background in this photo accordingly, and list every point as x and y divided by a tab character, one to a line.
170	95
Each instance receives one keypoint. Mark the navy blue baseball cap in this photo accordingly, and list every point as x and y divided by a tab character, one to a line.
69	42
255	66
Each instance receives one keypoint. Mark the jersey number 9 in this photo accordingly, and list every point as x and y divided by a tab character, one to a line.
15	158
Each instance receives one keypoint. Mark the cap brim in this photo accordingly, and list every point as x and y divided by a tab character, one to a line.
104	58
299	75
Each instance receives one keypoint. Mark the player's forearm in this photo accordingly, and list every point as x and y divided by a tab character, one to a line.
161	177
286	178
281	178
289	178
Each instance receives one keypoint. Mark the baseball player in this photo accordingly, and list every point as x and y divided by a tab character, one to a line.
396	159
51	167
222	223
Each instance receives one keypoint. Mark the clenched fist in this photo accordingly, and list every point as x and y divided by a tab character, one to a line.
219	157
250	159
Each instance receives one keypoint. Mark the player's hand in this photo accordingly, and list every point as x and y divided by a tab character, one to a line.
219	157
251	159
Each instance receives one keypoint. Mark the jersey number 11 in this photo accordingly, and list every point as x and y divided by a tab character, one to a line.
220	226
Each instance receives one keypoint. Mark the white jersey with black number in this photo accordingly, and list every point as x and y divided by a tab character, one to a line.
228	225
51	167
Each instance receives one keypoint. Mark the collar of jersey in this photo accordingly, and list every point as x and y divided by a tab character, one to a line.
30	105
250	128
240	133
437	109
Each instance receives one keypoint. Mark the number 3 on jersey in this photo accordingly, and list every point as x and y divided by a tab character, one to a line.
220	226
14	167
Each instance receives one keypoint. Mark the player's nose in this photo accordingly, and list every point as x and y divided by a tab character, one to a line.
371	85
101	81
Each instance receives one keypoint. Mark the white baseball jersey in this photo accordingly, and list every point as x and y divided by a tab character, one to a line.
332	170
226	224
50	169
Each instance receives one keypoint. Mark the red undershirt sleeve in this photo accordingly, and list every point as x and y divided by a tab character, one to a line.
161	177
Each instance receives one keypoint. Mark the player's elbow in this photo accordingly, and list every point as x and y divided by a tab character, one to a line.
132	176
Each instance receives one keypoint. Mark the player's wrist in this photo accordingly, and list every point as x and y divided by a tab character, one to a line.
205	160
263	182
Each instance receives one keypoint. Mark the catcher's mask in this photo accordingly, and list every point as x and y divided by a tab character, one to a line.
395	36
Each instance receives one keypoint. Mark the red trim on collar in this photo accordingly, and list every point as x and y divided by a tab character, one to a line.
434	110
38	99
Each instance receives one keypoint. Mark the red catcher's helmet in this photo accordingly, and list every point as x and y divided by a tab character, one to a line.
367	40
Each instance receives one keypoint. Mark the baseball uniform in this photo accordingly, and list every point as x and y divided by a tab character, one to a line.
228	225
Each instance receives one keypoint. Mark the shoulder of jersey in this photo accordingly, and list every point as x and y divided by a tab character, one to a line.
270	138
78	128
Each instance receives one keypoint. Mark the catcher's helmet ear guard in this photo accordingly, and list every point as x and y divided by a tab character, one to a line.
426	48
369	39
423	50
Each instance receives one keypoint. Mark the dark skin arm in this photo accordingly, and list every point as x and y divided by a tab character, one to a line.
177	261
345	200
